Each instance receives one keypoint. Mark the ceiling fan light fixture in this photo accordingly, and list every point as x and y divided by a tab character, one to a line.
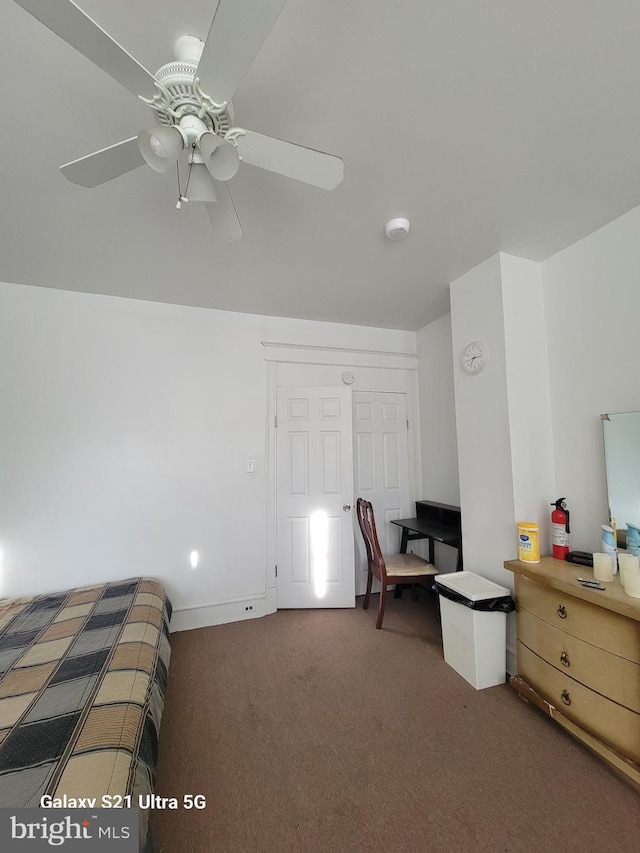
160	146
219	156
397	229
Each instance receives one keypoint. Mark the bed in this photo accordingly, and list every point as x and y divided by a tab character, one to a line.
82	680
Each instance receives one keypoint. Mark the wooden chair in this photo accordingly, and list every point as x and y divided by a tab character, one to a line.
398	568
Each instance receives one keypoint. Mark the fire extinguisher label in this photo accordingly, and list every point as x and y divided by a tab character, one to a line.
559	535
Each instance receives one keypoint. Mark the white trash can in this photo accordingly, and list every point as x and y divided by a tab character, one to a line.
474	626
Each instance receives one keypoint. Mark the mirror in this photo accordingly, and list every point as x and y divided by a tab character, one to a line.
622	460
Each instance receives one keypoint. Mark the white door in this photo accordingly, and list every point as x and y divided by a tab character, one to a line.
381	462
314	496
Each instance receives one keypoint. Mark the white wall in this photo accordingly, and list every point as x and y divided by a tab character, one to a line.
528	396
592	299
482	417
438	441
124	434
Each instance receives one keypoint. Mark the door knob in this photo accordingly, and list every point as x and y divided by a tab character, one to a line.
346	507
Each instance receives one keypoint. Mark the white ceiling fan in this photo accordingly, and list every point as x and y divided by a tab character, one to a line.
191	99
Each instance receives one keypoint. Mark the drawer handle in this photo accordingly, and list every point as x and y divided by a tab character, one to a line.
564	659
562	611
565	697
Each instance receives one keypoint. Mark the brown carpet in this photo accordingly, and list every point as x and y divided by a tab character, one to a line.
312	731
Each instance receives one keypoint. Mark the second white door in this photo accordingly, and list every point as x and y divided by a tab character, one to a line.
381	469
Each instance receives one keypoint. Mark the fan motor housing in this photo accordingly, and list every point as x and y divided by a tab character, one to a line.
179	95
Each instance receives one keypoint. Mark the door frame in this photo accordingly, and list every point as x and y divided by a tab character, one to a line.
300	364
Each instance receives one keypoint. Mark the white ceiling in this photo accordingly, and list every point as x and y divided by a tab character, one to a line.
496	125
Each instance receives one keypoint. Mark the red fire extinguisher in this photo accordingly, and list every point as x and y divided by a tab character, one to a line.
560	529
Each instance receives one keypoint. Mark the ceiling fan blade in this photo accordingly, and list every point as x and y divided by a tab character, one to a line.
75	27
224	217
102	166
238	31
294	161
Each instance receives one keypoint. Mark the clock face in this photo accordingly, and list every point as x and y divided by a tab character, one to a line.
474	357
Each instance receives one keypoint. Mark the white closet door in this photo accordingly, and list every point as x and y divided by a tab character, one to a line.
381	469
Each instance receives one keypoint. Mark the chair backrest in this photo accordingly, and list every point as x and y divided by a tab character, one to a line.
367	522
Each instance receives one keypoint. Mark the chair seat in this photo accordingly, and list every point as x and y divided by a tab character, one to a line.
407	565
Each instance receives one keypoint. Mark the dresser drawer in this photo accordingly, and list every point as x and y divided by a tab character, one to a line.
615	677
595	625
608	721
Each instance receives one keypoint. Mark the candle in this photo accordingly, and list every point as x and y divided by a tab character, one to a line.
603	567
632	584
629	564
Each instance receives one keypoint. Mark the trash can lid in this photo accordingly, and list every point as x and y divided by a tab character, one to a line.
471	586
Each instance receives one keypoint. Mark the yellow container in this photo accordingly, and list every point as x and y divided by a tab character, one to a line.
528	542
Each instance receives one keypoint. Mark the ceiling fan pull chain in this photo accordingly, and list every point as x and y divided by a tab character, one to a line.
182	197
179	202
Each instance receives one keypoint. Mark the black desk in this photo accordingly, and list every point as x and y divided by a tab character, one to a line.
436	522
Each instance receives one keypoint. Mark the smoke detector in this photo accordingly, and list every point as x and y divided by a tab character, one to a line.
397	229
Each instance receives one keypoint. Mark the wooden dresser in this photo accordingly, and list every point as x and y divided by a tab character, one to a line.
579	657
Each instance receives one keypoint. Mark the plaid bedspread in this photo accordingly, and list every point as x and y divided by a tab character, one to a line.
82	681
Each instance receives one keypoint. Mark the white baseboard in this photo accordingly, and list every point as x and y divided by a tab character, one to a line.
272	599
202	616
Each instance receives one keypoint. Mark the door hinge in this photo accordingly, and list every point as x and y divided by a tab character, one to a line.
275	421
407	423
276	568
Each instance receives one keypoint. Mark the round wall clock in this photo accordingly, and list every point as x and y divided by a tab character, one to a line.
475	357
